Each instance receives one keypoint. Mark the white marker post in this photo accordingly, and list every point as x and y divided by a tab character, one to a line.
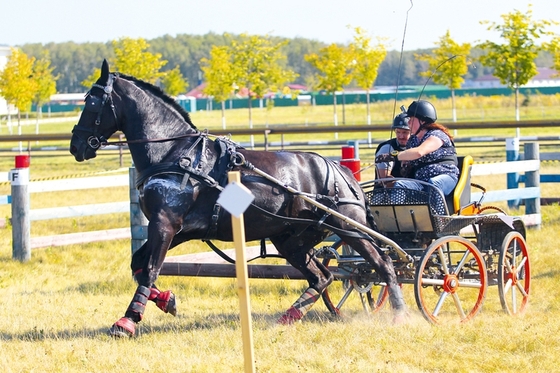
235	198
21	228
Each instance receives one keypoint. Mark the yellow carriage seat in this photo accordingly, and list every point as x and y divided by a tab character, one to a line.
459	200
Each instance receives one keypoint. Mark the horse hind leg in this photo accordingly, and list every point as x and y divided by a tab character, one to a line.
317	275
383	265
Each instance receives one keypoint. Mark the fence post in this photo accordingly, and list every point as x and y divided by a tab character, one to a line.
532	178
512	155
21	236
138	221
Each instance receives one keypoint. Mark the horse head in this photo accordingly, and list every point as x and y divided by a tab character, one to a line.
98	120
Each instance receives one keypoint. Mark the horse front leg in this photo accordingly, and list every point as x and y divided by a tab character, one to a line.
146	265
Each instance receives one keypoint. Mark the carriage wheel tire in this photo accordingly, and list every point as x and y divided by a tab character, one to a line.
514	274
370	303
451	281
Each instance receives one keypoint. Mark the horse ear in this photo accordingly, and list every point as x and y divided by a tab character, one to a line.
104	71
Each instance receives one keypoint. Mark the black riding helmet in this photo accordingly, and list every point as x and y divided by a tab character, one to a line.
401	122
422	110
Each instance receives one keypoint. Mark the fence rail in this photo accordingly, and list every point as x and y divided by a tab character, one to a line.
137	230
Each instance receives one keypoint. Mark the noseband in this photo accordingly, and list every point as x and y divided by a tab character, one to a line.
96	105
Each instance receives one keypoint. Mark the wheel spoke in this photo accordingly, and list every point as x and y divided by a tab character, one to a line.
461	263
443	260
521	265
440	303
519	286
345	296
459	307
470	284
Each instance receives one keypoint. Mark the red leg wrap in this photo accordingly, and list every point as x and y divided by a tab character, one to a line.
165	301
124	327
290	316
153	293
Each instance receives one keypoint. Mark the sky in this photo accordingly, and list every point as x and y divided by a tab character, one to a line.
403	24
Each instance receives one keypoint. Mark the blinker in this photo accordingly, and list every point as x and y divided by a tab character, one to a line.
93	104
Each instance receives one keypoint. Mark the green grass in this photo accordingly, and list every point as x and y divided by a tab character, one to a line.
55	309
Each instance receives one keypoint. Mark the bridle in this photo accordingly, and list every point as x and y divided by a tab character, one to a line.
96	105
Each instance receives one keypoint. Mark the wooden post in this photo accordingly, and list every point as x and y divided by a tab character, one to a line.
242	283
21	236
532	178
138	221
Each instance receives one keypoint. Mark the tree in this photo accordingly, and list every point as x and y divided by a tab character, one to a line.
554	48
256	65
335	64
173	82
447	65
219	77
17	84
514	62
46	84
366	62
132	58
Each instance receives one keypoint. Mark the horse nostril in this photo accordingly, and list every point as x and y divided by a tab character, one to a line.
73	150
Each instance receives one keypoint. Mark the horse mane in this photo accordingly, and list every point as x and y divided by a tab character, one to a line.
159	93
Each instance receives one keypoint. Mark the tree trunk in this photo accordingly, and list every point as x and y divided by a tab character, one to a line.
367	108
223	115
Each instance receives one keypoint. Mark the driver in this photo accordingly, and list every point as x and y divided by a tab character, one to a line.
430	153
398	143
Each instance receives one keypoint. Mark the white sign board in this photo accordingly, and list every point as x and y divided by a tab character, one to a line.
236	198
19	176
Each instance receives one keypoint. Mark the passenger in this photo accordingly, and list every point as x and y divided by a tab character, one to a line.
398	143
430	153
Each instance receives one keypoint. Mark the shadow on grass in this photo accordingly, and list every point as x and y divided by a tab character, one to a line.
185	324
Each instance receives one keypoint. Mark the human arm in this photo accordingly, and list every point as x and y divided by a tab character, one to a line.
430	145
384	162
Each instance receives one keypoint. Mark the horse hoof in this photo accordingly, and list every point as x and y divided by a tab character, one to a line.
124	328
166	302
290	317
172	305
400	318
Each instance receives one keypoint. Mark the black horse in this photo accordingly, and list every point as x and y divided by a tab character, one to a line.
181	172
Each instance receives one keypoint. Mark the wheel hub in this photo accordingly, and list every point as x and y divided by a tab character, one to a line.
450	283
512	276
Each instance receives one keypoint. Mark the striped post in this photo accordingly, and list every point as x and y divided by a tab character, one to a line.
532	178
21	232
512	155
138	221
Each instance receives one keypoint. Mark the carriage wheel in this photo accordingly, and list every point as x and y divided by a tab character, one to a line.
372	296
451	281
514	274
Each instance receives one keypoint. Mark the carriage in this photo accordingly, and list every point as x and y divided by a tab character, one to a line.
450	249
385	237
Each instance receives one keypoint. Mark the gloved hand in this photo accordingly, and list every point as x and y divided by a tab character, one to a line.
385	157
406	169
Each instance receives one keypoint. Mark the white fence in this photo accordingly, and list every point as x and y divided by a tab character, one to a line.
530	194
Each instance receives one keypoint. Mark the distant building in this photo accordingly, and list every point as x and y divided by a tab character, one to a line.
545	77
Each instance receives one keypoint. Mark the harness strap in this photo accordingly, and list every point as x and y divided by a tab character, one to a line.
228	259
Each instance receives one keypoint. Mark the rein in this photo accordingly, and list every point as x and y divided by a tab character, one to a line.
141	141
